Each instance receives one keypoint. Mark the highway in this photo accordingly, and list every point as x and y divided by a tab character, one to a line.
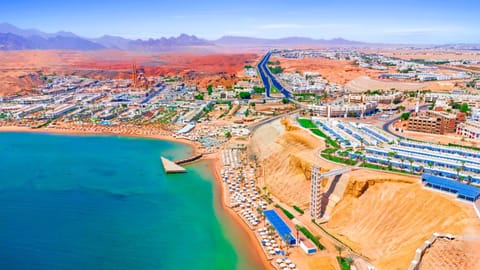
262	65
267	77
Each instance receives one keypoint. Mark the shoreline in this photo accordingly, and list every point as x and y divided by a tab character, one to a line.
256	251
193	145
213	163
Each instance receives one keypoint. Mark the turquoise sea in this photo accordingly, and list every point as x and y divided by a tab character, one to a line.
104	202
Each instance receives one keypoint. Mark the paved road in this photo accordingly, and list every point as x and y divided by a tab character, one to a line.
387	124
267	77
255	126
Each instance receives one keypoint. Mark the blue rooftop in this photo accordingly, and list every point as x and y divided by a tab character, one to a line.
279	225
464	191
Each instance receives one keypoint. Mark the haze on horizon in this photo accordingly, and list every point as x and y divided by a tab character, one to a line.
408	22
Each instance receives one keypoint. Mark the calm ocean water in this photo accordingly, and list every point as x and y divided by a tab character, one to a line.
102	202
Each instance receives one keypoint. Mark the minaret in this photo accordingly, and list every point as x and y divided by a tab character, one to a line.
417	105
134	75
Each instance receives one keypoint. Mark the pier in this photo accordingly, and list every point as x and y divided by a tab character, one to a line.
189	159
171	167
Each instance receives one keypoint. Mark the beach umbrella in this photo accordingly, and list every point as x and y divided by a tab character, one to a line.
272	252
283	265
291	265
279	261
288	261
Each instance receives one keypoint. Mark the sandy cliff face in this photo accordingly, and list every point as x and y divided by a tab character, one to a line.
287	153
387	220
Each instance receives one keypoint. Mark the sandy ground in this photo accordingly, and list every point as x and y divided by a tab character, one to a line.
287	157
244	233
364	83
335	71
447	254
437	54
390	220
103	130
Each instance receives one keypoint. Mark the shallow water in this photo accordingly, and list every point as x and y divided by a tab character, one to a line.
104	202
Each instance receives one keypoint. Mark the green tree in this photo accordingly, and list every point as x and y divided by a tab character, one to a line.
244	95
285	100
210	89
259	90
228	134
458	169
464	108
430	165
411	164
405	116
287	238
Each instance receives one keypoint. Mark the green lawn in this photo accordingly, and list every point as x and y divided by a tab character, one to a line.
274	90
343	263
329	140
306	123
285	211
298	209
310	236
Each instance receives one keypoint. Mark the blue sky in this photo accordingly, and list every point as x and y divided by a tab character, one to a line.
406	21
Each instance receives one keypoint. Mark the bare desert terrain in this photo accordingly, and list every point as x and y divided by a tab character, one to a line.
22	70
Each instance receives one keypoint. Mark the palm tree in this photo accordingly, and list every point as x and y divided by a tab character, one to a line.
411	164
430	165
287	239
469	179
421	168
463	165
270	230
403	160
339	248
458	169
260	212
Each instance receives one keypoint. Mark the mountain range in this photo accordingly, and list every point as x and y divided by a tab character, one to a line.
14	38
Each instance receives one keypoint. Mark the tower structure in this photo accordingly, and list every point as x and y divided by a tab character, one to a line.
134	75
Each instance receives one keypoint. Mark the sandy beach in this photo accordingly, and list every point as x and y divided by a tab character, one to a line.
102	131
246	237
245	234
